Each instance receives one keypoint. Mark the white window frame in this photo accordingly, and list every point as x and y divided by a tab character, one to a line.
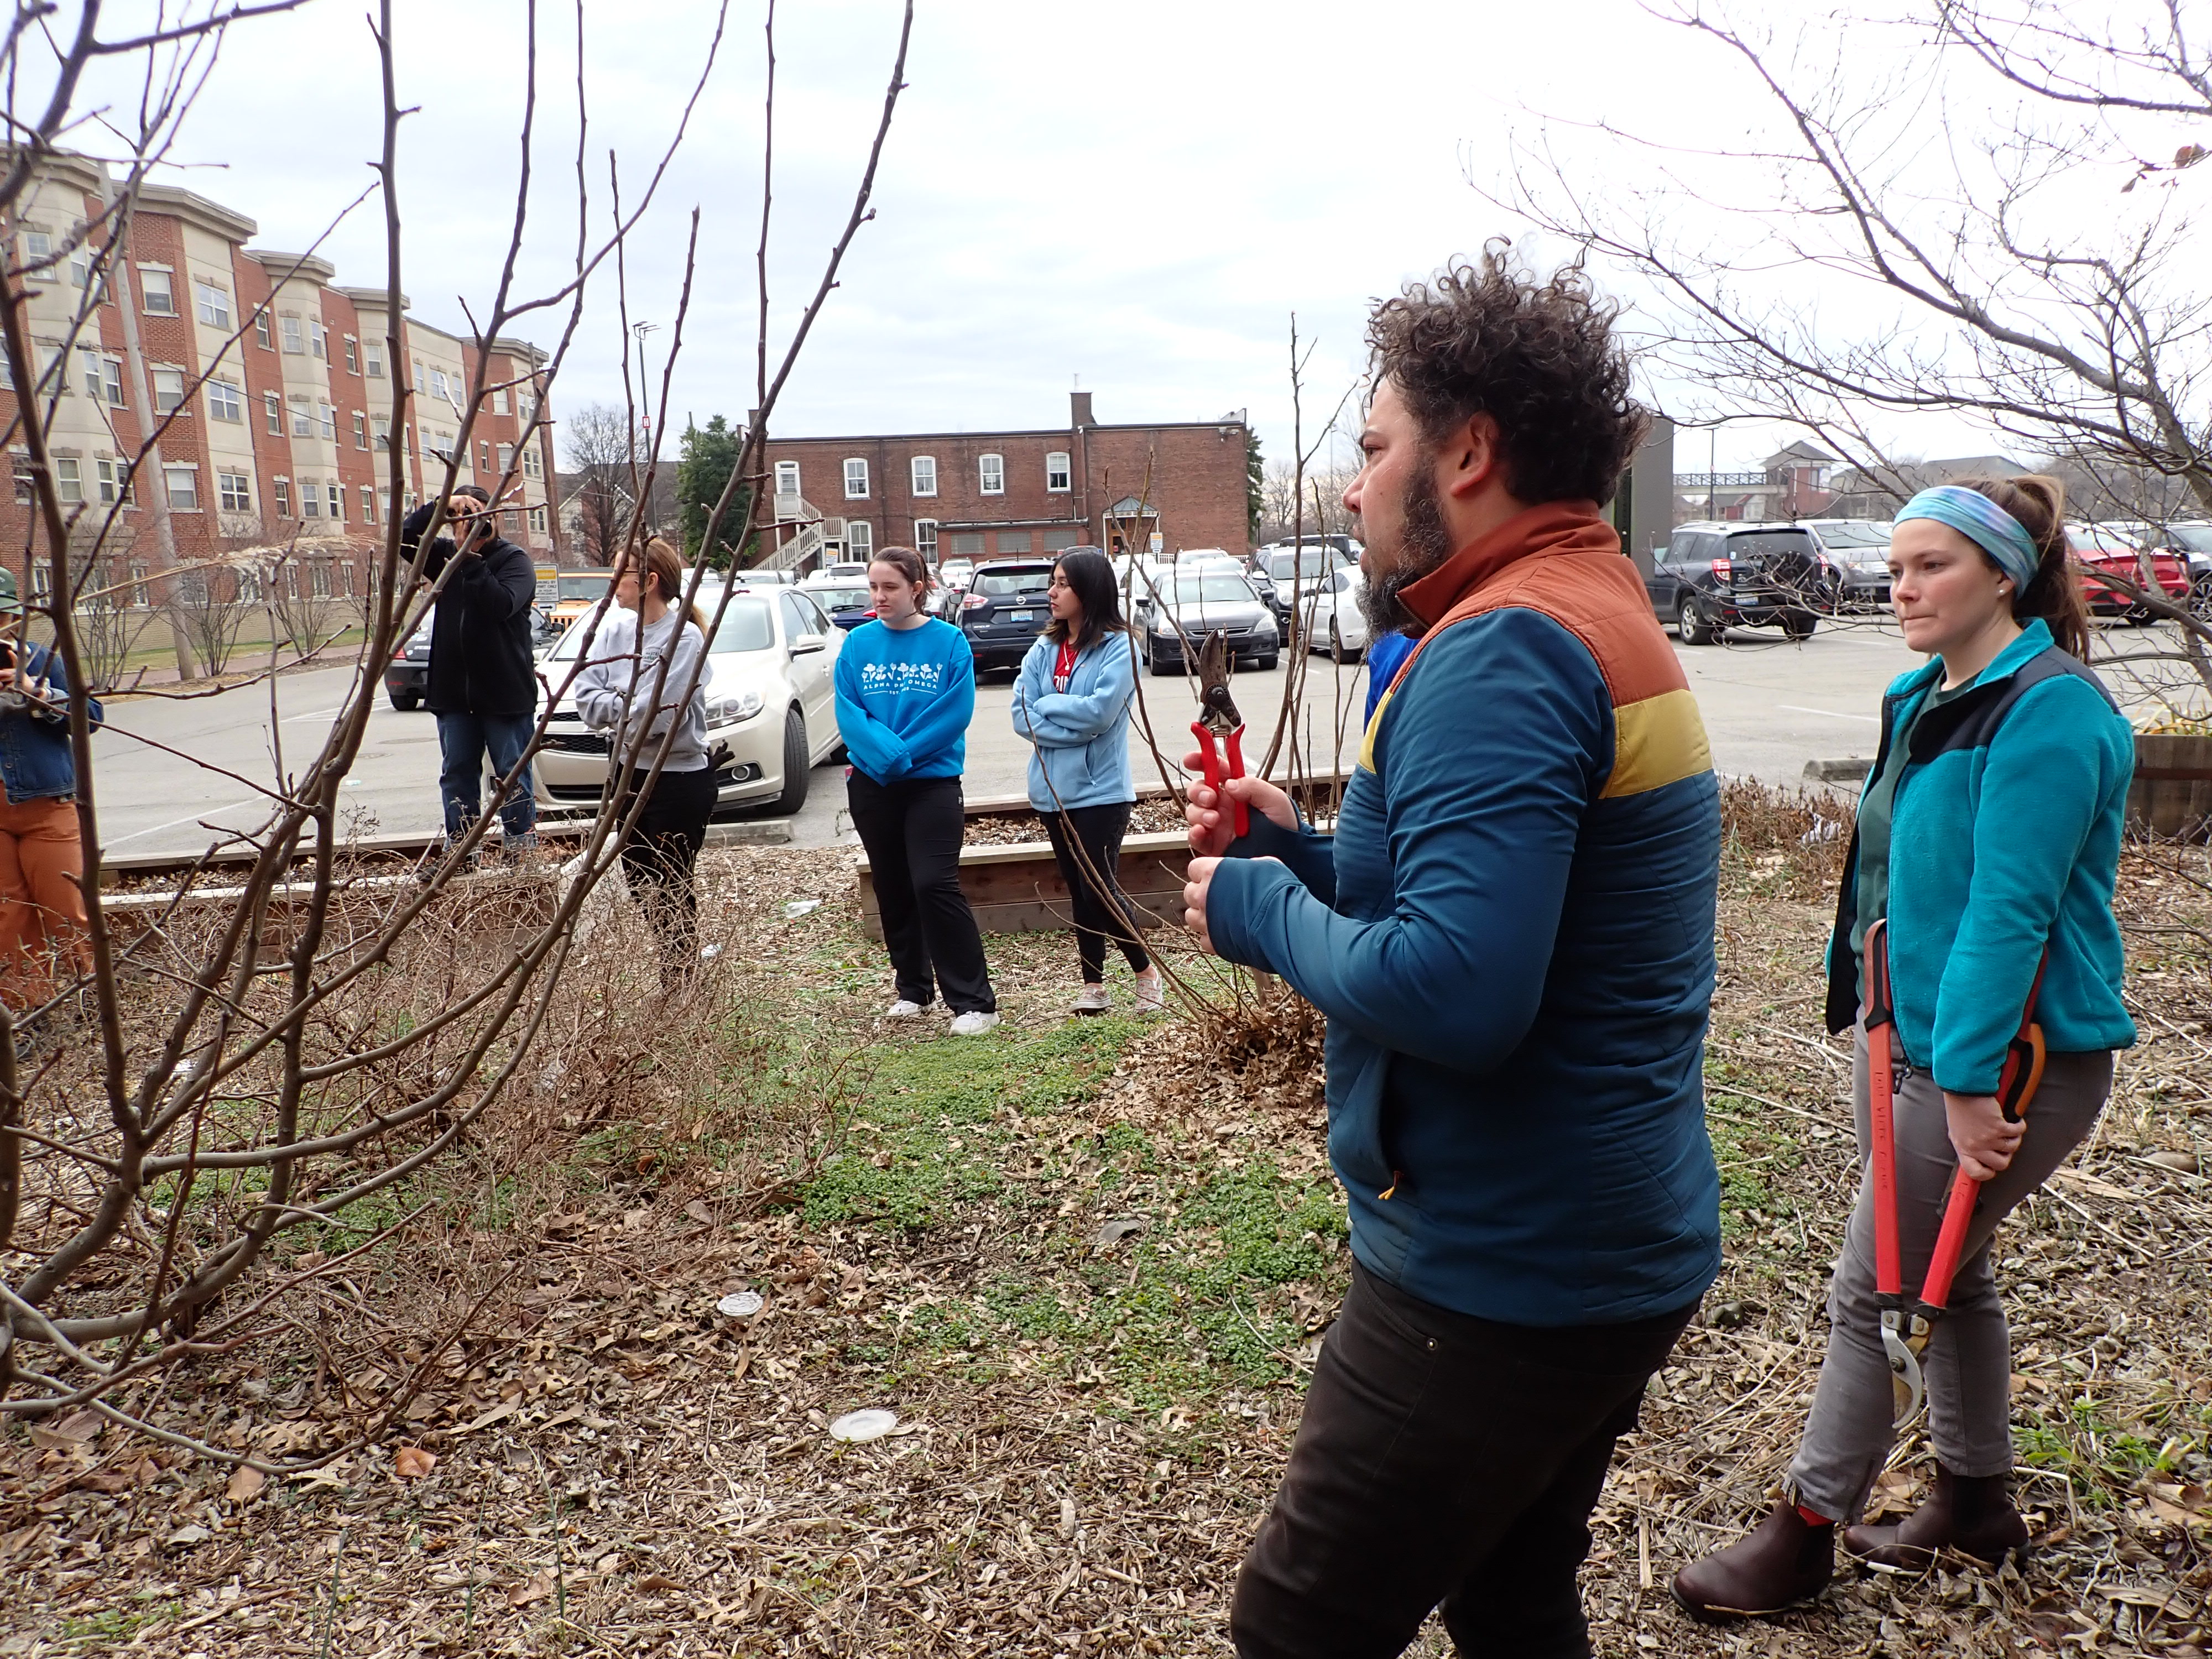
310	499
498	400
169	398
859	539
533	463
922	469
225	401
303	415
380	432
214	303
69	483
367	504
374	351
327	418
282	487
107	478
506	458
440	387
235	492
361	428
147	292
352	355
1060	464
991	474
294	336
925	539
272	410
334	495
856	470
37	245
261	335
191	469
786	477
537	521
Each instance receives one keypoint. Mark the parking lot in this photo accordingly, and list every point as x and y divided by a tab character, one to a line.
1769	706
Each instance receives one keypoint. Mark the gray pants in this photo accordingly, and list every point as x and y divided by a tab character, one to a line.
1967	1364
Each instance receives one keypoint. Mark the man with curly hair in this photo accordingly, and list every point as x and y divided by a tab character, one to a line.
1511	933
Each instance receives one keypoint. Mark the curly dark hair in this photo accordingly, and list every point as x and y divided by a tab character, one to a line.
1486	338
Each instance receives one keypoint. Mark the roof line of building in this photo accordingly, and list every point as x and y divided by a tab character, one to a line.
1021	432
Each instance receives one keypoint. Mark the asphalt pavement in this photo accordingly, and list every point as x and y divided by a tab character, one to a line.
171	773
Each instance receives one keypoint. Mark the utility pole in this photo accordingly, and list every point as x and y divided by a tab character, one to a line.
155	499
1712	478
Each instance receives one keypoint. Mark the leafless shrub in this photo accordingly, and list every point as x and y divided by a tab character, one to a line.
213	607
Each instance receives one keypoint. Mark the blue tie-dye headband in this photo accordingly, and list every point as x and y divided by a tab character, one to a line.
1980	519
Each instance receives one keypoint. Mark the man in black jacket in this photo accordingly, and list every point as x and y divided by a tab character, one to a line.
483	685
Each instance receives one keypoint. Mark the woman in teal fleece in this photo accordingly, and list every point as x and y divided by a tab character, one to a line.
1987	834
906	690
1071	702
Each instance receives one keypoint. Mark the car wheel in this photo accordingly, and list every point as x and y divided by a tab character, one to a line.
1161	667
1690	623
1338	651
2200	599
1268	661
406	702
1800	624
798	776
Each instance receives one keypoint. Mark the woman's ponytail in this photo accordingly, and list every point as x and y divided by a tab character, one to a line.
2038	501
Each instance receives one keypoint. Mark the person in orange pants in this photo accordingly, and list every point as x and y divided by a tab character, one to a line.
42	918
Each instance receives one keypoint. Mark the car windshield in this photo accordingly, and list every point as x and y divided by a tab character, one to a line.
582	587
1212	590
746	626
2192	537
840	598
1867	533
1003	583
1309	564
1765	544
2093	538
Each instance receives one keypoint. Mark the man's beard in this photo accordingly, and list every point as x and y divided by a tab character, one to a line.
1422	546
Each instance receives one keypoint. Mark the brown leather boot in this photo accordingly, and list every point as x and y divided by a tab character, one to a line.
1973	1515
1783	1561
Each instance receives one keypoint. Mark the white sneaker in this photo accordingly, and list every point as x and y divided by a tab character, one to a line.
903	1009
1151	993
974	1023
1093	999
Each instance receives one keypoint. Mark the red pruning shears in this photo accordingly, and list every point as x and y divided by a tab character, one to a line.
1217	718
1906	1329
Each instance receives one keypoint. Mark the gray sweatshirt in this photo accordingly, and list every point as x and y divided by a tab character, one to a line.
619	667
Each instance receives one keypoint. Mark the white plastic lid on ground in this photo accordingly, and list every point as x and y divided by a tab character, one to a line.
871	1425
740	1304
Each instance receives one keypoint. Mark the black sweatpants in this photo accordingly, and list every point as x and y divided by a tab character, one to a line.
1442	1460
1102	911
659	857
912	830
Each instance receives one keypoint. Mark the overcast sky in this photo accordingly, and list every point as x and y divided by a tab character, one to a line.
1137	193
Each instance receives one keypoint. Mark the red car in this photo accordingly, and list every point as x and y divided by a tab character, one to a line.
2097	550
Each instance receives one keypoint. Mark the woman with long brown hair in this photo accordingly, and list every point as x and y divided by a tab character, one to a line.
623	689
1975	914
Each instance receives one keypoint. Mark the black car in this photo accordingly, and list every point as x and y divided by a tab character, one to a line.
407	676
1715	577
1004	609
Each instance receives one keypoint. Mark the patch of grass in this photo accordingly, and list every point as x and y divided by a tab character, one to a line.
2102	1460
118	1623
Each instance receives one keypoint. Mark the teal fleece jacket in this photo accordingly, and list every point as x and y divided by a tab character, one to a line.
2005	835
1079	737
904	698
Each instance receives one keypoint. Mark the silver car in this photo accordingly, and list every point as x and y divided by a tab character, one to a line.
771	713
1185	609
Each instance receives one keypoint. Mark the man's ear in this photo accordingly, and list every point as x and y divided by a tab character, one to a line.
1468	456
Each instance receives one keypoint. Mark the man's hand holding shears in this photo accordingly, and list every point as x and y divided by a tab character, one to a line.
1226	796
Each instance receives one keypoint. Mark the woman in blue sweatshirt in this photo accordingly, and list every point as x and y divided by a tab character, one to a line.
1989	838
906	690
1071	702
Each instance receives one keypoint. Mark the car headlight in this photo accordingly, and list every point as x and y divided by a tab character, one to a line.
728	711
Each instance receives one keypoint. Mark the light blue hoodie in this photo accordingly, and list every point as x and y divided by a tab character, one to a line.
1080	736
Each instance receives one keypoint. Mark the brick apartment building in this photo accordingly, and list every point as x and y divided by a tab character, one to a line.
980	495
282	387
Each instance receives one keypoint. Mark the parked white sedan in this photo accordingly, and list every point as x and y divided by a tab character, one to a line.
771	715
1332	621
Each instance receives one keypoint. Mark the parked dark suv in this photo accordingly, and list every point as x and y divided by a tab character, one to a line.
1717	576
1004	609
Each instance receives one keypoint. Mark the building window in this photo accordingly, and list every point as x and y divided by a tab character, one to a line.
360	430
327	418
353	354
856	480
183	484
112	372
303	417
25	490
104	474
533	463
1013	541
42	581
786	477
283	489
506	458
318	338
273	407
295	339
498	401
249	585
1059	476
214	305
160	298
374	351
419	374
223	402
261	331
336	496
382	429
967	543
368	505
37	248
991	471
318	580
1059	541
441	388
311	502
138	594
925	475
537	521
69	483
483	454
168	389
233	492
925	539
384	500
90	356
859	538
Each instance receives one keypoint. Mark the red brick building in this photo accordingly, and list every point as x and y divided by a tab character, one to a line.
978	495
278	386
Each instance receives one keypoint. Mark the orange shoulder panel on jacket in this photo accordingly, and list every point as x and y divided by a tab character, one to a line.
1601	599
